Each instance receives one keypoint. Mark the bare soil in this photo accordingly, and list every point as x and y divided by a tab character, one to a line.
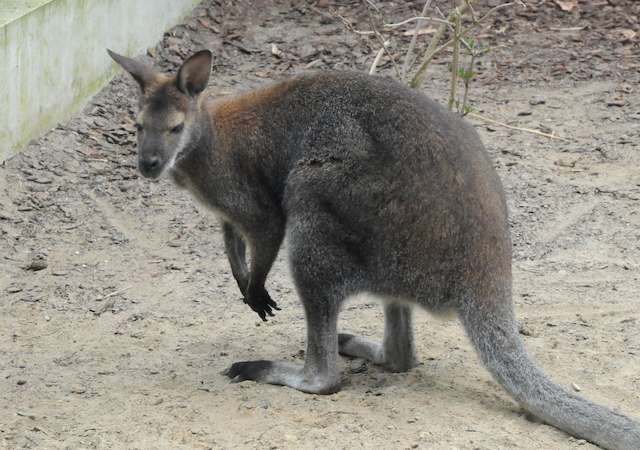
118	310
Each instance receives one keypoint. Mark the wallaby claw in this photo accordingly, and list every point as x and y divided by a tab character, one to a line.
262	303
247	370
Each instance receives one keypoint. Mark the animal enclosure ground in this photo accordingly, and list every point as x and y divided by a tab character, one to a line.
118	310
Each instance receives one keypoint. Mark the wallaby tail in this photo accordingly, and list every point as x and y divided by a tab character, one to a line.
493	331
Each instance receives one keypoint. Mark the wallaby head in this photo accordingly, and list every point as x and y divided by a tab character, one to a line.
169	108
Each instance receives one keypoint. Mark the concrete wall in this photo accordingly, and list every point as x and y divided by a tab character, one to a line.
53	58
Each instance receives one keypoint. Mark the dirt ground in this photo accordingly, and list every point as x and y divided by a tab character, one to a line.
118	310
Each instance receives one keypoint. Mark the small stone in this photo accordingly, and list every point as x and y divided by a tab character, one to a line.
537	101
37	263
616	102
40	180
26	414
275	51
545	129
576	387
526	330
358	366
78	390
21	382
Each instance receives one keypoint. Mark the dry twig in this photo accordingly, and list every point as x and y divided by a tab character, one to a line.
409	58
114	293
378	57
432	49
455	61
527	130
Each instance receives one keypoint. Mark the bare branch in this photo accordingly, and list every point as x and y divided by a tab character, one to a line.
528	130
413	19
494	9
376	61
409	58
373	5
431	51
455	61
347	24
383	42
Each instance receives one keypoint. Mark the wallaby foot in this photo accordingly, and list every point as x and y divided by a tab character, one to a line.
359	347
285	374
396	353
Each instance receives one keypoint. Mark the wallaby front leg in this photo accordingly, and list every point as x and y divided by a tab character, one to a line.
264	246
235	248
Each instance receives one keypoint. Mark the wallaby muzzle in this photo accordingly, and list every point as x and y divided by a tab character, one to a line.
150	167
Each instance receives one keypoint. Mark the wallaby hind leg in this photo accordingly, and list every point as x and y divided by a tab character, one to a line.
319	374
325	275
396	353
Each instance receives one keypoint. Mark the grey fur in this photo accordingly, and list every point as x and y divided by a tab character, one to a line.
236	252
378	190
396	352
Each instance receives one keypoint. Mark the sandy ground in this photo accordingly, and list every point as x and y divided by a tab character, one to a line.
118	310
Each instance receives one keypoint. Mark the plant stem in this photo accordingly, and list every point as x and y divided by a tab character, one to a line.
432	49
409	59
455	61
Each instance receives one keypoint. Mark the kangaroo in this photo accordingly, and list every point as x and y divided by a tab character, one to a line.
378	189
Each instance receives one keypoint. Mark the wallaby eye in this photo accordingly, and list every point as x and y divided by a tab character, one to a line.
177	129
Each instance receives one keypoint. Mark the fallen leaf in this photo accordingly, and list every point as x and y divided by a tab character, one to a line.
275	51
626	34
566	5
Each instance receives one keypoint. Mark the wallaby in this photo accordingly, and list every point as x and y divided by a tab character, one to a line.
378	190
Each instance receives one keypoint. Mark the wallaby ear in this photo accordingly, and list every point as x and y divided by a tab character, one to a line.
194	73
142	73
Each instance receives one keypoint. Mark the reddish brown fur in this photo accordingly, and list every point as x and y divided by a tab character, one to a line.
243	114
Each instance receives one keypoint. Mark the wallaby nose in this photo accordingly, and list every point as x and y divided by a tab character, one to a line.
150	167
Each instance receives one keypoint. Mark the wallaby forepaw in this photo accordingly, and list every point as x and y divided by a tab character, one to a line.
261	302
247	370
